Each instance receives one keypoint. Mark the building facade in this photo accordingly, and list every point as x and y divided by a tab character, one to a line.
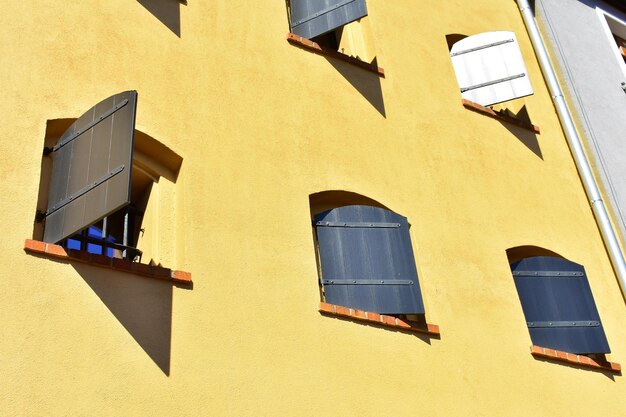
304	216
590	63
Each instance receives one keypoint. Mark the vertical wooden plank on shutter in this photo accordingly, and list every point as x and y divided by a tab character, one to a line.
490	69
367	260
311	18
558	305
91	168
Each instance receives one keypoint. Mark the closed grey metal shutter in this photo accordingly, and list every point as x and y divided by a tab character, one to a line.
367	260
311	18
558	305
91	168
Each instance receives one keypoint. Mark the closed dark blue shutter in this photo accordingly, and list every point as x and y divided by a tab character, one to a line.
311	18
558	305
367	260
91	167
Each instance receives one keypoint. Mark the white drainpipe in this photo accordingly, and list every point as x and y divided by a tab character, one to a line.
602	217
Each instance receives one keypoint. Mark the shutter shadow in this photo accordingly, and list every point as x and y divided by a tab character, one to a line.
142	306
166	11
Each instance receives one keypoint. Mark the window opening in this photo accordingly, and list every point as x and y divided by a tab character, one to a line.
101	209
557	302
335	25
365	258
489	67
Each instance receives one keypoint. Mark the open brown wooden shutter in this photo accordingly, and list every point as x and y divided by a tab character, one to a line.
91	168
558	305
311	18
367	260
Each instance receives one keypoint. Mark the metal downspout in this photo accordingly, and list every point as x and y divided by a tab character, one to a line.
599	210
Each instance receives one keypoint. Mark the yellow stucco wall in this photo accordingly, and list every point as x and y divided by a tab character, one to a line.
261	125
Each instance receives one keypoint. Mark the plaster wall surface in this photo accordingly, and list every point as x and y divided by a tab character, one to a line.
260	125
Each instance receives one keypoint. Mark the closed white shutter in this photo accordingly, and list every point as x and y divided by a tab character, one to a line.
490	69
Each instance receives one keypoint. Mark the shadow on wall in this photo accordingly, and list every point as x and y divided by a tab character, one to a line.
330	199
167	11
528	138
142	305
366	83
518	253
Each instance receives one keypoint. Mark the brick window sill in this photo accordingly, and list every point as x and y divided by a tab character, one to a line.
314	47
573	359
379	319
49	250
500	116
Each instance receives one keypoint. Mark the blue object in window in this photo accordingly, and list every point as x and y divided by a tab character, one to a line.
93	232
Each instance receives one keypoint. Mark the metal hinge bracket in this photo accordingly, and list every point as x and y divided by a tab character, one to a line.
85	128
367	282
357	224
84	190
550	324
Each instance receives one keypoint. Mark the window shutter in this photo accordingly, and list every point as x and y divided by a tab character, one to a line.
558	305
311	18
91	167
367	260
490	69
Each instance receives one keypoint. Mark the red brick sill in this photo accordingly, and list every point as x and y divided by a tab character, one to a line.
58	252
314	47
379	319
570	358
500	116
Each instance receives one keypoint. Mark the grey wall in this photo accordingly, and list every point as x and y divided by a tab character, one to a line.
593	77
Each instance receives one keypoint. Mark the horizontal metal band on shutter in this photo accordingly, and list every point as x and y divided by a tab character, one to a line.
85	190
357	224
86	128
555	274
478	48
501	80
367	282
551	324
322	12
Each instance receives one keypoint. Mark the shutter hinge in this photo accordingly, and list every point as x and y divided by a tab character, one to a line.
40	216
84	190
551	324
357	224
89	125
555	274
367	282
488	83
478	48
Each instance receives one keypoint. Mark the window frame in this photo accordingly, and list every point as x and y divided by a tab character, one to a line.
149	161
604	17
